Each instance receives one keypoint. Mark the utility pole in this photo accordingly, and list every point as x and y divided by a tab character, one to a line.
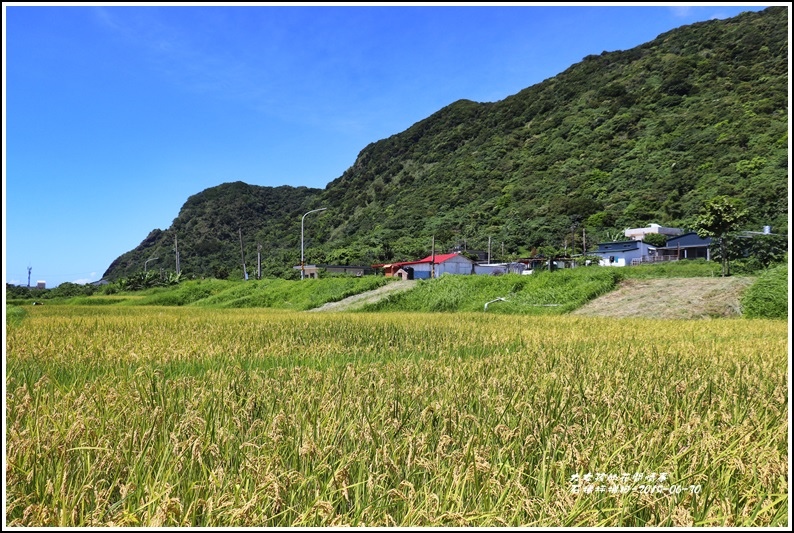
433	257
258	261
584	245
303	267
242	254
176	251
29	269
573	241
489	249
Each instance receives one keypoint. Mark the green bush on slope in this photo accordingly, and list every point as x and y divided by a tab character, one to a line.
768	296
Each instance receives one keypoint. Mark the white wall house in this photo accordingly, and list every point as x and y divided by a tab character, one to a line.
638	234
621	253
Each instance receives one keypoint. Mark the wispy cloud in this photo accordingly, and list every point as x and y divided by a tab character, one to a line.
719	16
681	11
187	61
106	19
294	76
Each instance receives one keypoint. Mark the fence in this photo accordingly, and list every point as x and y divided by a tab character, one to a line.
653	259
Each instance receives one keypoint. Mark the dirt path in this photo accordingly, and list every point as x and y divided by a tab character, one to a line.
358	301
684	298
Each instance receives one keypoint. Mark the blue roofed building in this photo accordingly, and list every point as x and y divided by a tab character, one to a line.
687	246
623	253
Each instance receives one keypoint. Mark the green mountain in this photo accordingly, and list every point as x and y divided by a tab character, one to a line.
620	139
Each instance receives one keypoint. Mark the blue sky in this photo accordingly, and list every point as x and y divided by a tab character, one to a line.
114	115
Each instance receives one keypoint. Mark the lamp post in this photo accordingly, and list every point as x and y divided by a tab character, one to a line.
303	269
492	301
150	259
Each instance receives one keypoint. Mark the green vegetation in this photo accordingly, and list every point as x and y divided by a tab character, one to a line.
14	315
768	296
64	290
539	293
620	139
271	293
298	295
688	268
142	416
757	254
186	293
720	217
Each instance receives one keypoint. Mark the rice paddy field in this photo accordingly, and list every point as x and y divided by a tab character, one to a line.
190	416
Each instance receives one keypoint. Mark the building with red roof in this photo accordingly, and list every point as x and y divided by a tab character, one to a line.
432	265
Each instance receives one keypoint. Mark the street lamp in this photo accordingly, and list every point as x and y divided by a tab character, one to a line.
303	269
492	301
150	259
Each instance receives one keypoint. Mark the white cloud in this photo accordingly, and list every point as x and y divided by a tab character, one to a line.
83	281
719	16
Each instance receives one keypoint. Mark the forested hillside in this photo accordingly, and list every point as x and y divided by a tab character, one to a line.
620	139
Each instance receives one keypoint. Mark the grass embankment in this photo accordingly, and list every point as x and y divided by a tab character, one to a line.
768	296
248	417
271	293
695	268
539	293
556	292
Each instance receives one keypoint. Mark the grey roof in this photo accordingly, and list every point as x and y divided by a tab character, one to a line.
687	240
619	246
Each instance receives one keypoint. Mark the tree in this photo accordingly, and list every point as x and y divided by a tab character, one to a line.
655	239
718	218
768	249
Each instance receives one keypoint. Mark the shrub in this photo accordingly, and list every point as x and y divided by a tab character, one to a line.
14	315
768	296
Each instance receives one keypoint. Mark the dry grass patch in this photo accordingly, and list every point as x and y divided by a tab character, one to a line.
671	298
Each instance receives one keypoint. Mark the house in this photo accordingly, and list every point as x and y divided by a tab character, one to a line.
499	268
392	269
435	265
623	253
311	271
686	246
432	265
352	270
638	234
405	273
